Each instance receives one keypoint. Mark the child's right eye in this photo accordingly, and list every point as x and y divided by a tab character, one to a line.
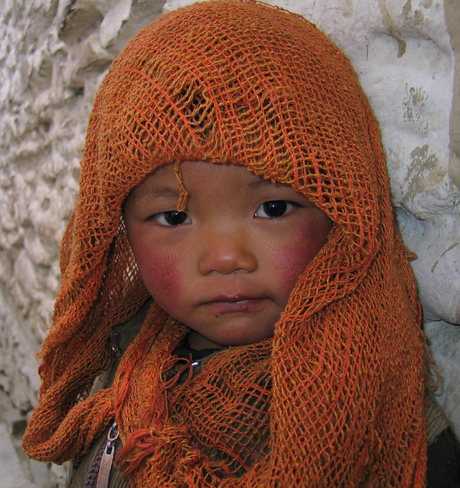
172	218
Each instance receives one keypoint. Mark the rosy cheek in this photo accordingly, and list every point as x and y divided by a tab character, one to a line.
161	273
295	259
299	251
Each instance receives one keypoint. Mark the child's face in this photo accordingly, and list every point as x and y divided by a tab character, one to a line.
226	266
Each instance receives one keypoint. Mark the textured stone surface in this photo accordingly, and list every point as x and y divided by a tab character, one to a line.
53	55
11	473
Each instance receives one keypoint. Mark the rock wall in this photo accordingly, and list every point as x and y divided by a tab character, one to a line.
53	55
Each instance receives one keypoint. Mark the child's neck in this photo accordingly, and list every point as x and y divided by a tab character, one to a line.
197	341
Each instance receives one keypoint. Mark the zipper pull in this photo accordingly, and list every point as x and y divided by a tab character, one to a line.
107	458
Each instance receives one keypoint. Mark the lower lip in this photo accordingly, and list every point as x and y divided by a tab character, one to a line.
248	305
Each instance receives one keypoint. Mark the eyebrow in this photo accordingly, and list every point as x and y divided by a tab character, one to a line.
153	193
262	181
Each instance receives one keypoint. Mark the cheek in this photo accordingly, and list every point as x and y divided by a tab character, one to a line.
295	259
161	272
297	252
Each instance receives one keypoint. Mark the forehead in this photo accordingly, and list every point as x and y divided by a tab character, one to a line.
198	177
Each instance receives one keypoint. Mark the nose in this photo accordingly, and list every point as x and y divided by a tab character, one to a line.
226	253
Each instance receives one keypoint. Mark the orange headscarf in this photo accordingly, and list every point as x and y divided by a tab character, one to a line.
335	398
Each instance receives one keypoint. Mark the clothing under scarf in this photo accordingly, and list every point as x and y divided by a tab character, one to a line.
335	398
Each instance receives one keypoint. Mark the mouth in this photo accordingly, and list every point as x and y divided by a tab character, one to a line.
234	303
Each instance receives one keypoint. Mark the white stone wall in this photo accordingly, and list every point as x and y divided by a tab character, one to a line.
53	54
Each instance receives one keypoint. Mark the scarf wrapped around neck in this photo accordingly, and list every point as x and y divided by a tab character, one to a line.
335	398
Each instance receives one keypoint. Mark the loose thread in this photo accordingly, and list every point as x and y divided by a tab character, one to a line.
183	193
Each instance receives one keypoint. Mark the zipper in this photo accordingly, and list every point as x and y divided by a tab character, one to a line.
107	458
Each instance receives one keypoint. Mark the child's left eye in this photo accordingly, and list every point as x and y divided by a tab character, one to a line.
274	209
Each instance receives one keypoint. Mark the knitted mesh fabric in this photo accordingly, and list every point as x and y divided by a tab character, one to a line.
335	398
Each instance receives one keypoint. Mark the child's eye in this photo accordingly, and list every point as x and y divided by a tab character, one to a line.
274	209
172	218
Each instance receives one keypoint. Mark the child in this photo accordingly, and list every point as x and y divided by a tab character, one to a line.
233	172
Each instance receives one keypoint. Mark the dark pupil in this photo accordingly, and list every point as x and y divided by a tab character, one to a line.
175	217
275	209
